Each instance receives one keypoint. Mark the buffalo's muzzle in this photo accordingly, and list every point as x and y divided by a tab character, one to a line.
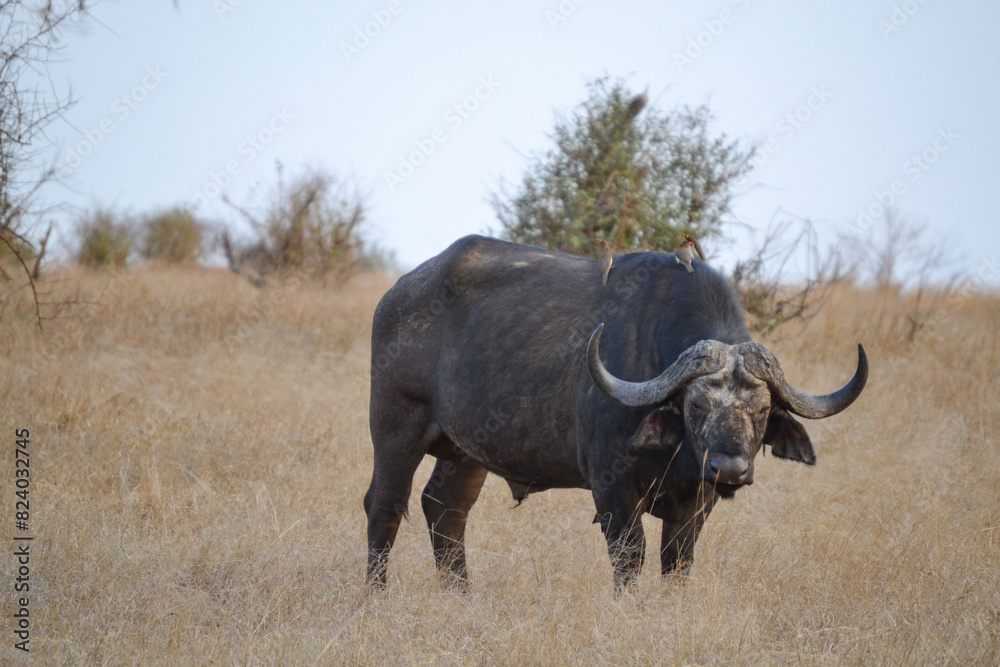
732	470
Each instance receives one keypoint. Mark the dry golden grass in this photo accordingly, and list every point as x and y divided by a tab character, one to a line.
200	452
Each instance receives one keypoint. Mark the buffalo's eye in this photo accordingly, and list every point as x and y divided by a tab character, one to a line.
763	411
698	407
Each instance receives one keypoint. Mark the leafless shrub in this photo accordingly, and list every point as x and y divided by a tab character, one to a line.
311	226
27	105
895	252
898	254
762	279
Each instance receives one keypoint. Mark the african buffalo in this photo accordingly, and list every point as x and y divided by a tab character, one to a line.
480	358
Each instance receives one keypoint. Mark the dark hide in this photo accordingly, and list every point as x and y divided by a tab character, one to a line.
478	359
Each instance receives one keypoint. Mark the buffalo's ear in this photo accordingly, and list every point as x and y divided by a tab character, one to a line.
788	438
662	428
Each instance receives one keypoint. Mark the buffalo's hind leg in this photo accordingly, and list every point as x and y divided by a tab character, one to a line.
449	495
400	436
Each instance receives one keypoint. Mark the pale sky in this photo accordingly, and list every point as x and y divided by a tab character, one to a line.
850	100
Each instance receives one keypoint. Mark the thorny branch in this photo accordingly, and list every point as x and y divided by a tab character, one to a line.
28	42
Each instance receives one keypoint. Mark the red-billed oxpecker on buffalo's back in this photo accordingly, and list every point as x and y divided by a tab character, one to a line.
606	258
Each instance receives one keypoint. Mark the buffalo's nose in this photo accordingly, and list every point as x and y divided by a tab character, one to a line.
730	469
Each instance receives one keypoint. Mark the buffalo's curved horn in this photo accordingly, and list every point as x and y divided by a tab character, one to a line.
761	363
704	357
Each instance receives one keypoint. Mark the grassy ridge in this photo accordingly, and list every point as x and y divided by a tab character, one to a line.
200	451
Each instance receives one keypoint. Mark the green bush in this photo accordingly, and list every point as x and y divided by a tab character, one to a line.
104	240
173	237
637	177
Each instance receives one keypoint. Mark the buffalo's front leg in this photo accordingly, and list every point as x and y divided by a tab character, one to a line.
677	547
626	543
680	533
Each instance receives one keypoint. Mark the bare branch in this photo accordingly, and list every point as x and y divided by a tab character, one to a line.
29	42
27	272
311	227
36	272
760	278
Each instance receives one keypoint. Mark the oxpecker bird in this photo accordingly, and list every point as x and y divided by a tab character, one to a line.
684	254
637	104
605	259
699	253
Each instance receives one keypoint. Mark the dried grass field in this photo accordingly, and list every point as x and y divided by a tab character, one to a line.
200	450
